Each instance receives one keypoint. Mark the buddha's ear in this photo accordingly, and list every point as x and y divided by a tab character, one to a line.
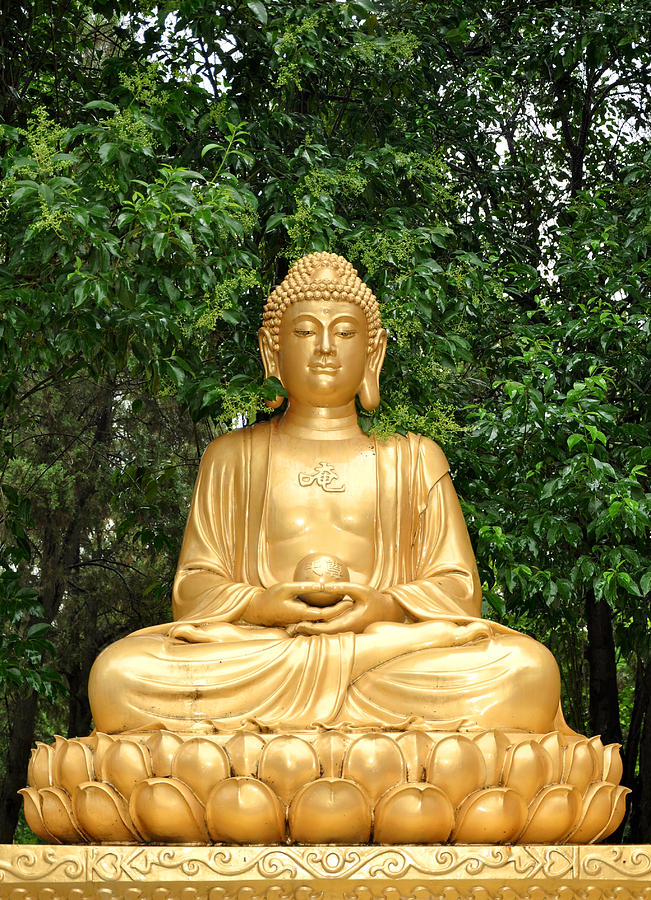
268	354
270	362
369	390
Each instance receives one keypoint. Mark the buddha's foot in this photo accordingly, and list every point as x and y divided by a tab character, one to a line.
320	787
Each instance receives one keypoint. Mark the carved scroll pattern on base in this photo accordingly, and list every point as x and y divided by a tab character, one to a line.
321	873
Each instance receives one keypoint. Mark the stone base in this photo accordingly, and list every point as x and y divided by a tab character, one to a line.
325	872
326	787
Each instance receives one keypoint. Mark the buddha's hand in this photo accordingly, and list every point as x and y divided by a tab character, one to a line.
279	606
368	606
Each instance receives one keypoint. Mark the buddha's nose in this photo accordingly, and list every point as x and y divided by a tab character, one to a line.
326	344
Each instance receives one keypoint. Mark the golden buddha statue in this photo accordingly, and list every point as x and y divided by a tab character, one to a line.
327	640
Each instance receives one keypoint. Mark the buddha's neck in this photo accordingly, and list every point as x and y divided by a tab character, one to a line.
320	423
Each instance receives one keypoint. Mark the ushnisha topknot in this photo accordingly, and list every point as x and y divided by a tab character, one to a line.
321	276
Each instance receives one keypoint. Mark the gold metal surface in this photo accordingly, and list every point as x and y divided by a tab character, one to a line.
326	786
256	677
324	475
321	569
325	873
406	646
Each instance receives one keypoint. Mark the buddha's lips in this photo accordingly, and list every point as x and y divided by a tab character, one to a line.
320	368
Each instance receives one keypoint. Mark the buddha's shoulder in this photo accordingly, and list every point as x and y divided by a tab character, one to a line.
236	444
426	455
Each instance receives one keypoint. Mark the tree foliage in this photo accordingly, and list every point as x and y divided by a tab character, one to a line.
485	167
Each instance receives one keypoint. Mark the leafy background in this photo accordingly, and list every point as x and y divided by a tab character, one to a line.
485	166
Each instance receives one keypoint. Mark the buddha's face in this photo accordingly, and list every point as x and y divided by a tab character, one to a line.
323	358
323	349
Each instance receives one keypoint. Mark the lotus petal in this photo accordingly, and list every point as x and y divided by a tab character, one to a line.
245	811
34	816
598	748
59	746
73	763
612	764
599	803
201	764
125	764
616	816
164	809
163	745
330	811
527	769
416	747
59	741
58	817
413	814
330	749
492	816
493	746
103	742
103	813
580	765
244	752
552	815
286	764
375	762
554	745
456	765
39	770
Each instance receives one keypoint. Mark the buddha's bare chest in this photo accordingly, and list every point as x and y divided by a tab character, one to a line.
322	499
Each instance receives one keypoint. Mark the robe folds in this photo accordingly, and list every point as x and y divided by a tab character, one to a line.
443	667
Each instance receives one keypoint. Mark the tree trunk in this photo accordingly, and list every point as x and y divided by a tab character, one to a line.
572	652
632	748
640	800
21	737
604	693
79	717
643	831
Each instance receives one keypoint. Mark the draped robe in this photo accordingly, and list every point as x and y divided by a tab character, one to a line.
442	667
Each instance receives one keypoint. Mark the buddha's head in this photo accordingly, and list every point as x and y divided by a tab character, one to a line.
321	334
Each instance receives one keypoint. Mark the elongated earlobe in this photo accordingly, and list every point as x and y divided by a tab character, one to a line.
369	389
369	393
270	363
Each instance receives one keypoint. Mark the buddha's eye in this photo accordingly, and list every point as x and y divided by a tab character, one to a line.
346	334
303	332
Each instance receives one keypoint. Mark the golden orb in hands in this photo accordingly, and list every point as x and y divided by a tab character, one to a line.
321	568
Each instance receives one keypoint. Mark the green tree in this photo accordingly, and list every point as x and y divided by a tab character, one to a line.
105	238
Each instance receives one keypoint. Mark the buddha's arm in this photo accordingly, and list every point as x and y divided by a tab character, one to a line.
445	572
205	586
204	593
